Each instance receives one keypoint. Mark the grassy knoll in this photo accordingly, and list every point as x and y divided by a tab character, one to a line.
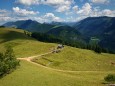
23	45
31	75
78	59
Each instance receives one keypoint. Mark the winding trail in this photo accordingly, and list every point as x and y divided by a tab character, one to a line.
29	59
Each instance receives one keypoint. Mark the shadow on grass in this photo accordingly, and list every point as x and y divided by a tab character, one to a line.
13	35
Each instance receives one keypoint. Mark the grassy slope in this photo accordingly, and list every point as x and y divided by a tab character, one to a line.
78	59
31	75
23	45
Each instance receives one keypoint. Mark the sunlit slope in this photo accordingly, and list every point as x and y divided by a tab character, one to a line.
89	67
31	75
78	59
23	45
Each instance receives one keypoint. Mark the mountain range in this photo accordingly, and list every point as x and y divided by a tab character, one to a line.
30	25
57	29
101	29
98	29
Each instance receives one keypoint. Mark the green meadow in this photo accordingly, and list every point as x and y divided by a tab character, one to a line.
23	45
89	67
31	75
78	60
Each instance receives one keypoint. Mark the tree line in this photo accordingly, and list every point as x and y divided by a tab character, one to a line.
53	39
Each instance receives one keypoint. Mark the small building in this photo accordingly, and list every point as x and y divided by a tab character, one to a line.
60	46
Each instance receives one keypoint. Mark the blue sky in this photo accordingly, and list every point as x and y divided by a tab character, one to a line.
54	10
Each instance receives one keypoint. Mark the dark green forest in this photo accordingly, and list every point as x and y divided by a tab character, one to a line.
53	39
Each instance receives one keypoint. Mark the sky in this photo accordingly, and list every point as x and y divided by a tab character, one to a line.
54	10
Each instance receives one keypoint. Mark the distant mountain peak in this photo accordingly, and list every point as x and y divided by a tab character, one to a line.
102	28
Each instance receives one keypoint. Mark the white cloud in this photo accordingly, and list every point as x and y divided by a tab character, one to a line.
100	1
3	12
85	10
48	17
57	2
75	8
5	19
89	11
46	2
23	12
28	2
60	5
4	16
53	2
107	12
63	8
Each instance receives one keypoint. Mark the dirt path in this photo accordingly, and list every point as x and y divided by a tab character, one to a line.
29	59
32	57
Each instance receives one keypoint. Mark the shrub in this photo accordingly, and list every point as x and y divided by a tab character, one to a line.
8	62
110	78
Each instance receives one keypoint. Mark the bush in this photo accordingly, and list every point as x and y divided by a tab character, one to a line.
110	78
8	62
